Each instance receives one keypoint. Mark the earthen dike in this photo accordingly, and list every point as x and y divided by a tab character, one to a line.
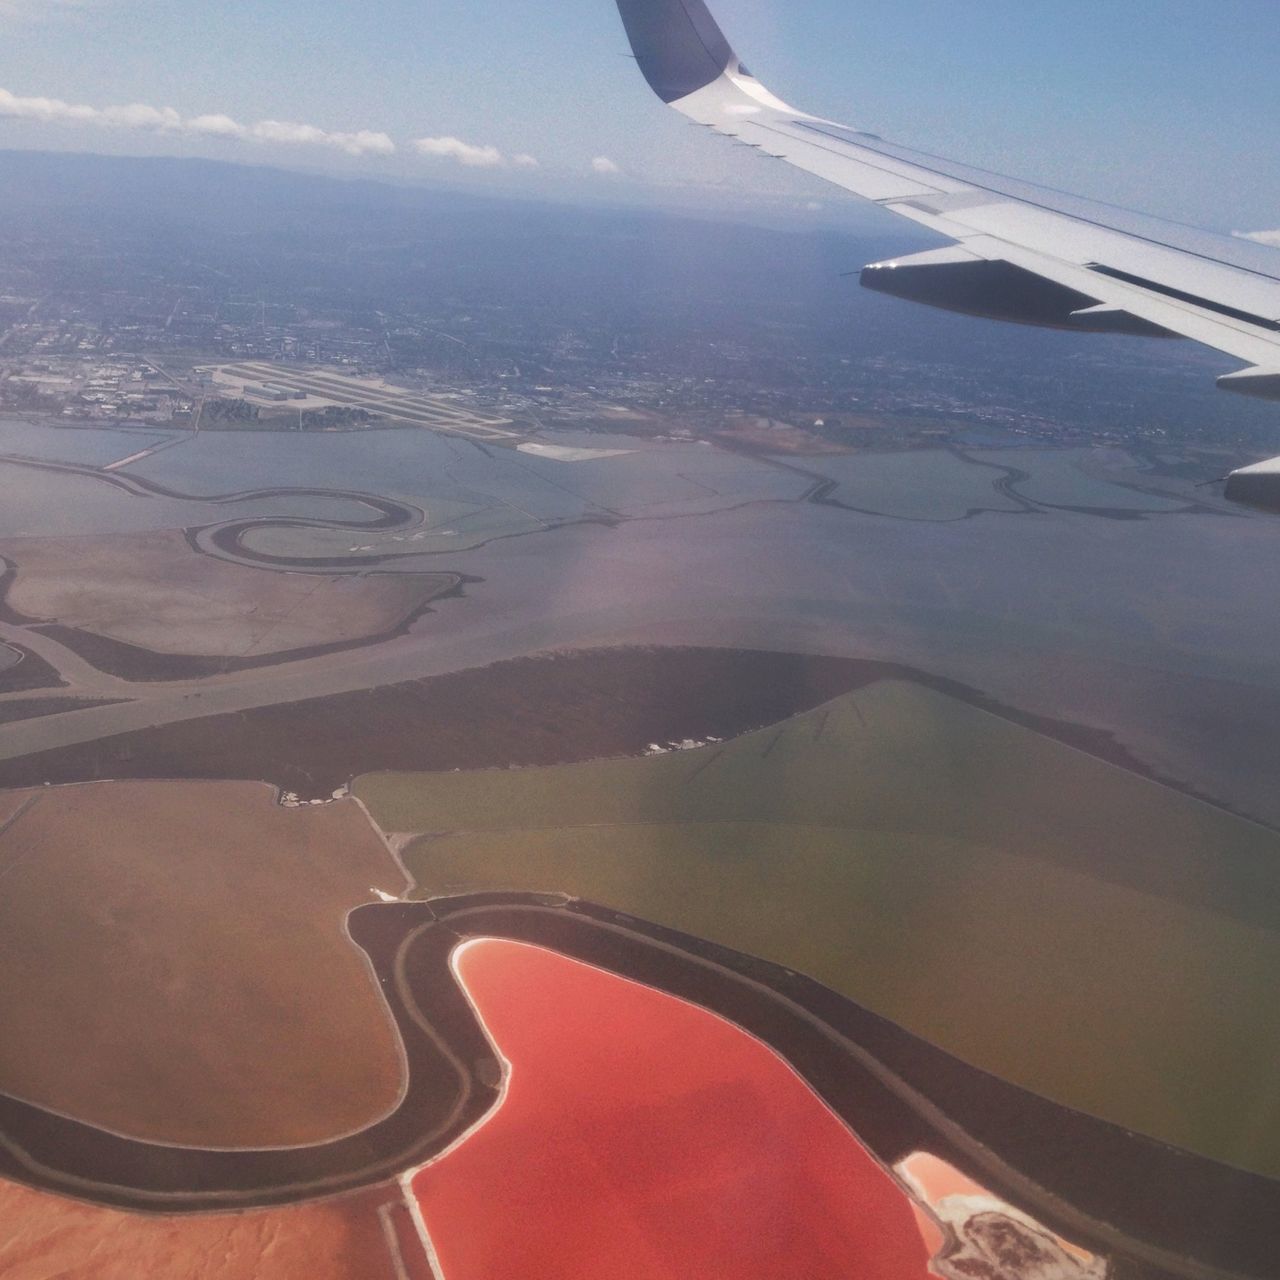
1158	1211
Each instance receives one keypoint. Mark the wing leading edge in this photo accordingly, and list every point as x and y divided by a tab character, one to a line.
1022	252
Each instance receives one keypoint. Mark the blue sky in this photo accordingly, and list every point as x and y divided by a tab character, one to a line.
1166	106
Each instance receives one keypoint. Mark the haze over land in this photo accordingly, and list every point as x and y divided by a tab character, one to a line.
887	668
501	297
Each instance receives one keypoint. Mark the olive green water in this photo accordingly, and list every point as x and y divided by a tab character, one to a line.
1103	940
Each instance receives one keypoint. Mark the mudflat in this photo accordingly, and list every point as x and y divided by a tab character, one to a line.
155	591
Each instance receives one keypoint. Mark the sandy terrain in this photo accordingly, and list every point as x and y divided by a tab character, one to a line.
47	1236
152	590
176	966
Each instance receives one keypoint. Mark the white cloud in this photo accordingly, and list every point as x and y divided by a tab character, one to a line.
140	115
287	133
602	164
363	142
291	134
44	110
1262	237
468	153
216	126
525	161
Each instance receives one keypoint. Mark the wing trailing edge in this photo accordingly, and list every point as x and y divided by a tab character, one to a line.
1051	257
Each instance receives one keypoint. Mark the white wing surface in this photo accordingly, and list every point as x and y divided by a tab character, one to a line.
1022	252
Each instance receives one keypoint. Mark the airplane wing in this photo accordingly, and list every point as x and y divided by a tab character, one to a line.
1022	252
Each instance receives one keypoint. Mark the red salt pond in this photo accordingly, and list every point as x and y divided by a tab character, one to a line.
642	1138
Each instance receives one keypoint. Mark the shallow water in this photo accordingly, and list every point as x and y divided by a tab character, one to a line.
91	445
1144	621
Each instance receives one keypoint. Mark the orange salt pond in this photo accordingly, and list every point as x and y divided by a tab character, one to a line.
354	1237
643	1138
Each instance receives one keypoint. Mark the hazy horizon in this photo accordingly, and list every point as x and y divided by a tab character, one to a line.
498	99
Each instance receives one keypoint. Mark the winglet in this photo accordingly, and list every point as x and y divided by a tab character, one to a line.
678	45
